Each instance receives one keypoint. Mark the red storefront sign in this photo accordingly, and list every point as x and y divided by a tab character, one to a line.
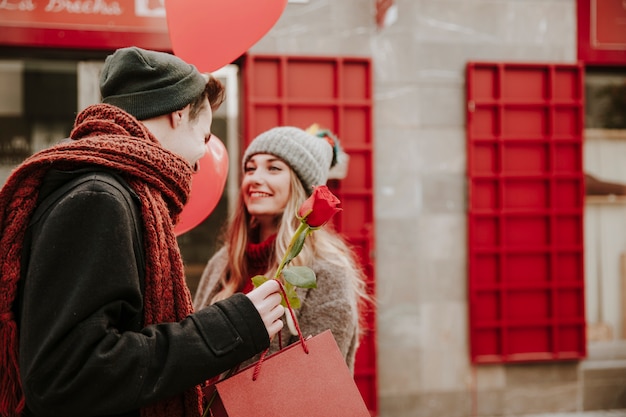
97	24
602	32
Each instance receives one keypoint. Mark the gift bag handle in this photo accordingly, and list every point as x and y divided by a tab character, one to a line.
257	368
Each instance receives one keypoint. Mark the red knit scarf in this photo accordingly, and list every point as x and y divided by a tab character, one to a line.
258	256
107	137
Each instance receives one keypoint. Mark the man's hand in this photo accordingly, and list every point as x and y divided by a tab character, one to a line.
266	298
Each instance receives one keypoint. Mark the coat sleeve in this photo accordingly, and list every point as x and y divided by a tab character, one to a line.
83	349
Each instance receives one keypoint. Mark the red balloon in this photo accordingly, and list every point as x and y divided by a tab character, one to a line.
212	33
206	187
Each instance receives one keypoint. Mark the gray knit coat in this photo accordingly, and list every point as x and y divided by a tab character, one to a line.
332	305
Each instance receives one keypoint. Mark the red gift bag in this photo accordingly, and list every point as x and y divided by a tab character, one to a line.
309	379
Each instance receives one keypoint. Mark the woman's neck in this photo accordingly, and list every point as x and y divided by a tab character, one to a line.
266	228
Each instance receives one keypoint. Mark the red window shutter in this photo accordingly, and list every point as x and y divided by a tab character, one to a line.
525	212
336	93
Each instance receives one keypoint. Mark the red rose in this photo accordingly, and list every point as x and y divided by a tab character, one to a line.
318	209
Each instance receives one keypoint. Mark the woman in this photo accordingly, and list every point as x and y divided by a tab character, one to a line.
280	168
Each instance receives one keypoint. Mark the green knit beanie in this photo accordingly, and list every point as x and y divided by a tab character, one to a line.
147	84
309	156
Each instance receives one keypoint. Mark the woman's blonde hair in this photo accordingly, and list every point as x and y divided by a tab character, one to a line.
325	243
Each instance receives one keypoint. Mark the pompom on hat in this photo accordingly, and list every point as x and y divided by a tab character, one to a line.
147	83
341	160
308	155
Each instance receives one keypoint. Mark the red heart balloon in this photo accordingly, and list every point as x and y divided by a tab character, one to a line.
212	33
206	187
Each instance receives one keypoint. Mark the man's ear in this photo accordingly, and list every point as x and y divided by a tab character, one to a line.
176	118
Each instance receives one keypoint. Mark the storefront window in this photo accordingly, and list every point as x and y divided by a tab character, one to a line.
38	101
605	203
605	95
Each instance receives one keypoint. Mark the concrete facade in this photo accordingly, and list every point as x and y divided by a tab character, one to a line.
420	195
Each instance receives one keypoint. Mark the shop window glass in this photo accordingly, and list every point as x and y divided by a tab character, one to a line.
605	204
37	107
605	99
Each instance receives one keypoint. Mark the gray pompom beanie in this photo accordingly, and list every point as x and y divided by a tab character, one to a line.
308	155
147	83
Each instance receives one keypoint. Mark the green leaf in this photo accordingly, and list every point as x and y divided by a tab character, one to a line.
292	296
258	280
294	302
300	276
296	248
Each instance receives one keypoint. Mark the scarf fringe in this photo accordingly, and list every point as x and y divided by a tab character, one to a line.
11	396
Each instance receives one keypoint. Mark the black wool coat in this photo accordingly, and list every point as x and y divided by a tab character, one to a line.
83	350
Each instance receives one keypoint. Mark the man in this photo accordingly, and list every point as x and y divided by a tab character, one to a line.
95	315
